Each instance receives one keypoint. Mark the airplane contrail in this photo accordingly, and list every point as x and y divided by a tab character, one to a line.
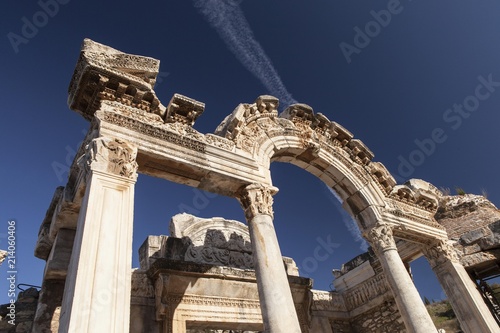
227	18
349	222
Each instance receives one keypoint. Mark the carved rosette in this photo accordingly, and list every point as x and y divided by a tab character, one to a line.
257	199
381	238
112	156
440	252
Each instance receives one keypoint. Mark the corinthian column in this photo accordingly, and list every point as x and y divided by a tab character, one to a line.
472	312
278	311
97	292
410	305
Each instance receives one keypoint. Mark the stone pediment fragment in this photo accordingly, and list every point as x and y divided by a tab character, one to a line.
215	241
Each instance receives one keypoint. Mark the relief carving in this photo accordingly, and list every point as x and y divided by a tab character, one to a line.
226	254
257	199
368	290
112	156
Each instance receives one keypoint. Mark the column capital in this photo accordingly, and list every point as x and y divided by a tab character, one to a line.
110	155
257	199
381	237
440	252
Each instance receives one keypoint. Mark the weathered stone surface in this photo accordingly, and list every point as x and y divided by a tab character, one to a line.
3	255
24	312
385	318
49	307
204	272
472	236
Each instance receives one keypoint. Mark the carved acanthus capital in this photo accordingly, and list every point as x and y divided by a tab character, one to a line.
440	252
257	199
112	156
381	237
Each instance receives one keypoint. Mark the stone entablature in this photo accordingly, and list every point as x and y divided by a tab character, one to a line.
118	89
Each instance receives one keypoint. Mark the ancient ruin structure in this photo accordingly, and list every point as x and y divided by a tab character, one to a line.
3	255
222	275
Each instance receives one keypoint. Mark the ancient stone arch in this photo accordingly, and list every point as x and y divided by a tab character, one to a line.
132	131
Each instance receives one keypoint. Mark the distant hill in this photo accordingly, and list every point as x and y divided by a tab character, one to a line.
443	316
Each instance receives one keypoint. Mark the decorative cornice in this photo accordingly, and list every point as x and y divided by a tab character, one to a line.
103	73
412	211
257	199
112	156
184	110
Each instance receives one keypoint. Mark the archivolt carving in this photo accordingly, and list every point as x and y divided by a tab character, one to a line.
111	155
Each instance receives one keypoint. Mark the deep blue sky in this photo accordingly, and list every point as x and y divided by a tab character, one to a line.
395	90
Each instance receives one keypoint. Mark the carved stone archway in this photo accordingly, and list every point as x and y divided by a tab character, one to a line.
131	131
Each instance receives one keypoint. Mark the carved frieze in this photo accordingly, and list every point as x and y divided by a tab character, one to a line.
216	249
169	302
257	199
175	133
366	291
440	252
220	142
113	156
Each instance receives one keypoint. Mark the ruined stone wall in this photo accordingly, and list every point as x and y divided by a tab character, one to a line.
474	223
142	305
461	214
23	310
382	319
